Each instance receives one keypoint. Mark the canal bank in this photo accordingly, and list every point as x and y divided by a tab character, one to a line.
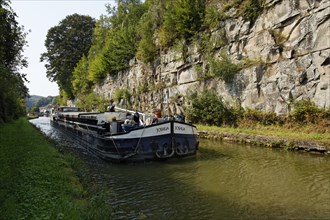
271	141
38	181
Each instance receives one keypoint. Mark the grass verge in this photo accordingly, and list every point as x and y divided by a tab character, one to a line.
38	182
302	134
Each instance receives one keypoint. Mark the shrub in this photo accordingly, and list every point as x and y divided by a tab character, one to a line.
182	20
120	94
249	9
224	68
209	108
201	74
305	111
143	87
213	17
253	116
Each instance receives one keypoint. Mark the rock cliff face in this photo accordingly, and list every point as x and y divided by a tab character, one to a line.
289	45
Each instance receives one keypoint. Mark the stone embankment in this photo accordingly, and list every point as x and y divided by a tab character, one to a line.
267	141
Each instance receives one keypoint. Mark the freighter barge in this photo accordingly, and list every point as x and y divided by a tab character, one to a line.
128	136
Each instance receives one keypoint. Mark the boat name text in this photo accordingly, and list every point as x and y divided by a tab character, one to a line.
179	128
162	129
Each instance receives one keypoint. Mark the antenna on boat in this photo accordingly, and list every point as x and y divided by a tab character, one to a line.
126	110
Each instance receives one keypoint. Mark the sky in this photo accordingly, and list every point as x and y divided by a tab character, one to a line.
39	16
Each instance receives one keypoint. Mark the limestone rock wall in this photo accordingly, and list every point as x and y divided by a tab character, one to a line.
289	44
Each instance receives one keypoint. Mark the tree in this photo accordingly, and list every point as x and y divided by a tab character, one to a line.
81	84
182	19
43	102
12	88
209	108
114	40
121	43
66	44
148	24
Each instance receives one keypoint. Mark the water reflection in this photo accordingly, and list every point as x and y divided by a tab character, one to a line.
223	181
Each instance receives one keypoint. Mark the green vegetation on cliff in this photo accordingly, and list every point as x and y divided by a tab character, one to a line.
82	52
144	30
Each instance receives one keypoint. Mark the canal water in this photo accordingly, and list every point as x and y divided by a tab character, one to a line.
223	181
